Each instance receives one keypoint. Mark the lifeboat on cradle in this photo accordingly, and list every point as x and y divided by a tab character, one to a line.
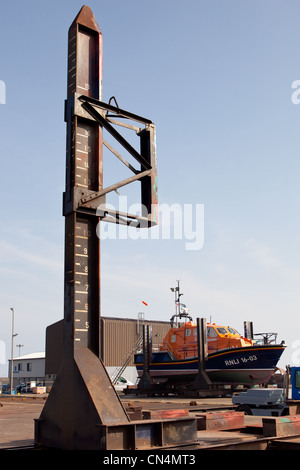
232	358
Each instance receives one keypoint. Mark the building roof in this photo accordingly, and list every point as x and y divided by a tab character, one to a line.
37	355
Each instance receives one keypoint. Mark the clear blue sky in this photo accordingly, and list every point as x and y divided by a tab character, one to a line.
216	79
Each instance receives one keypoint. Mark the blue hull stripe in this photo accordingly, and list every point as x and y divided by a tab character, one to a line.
262	357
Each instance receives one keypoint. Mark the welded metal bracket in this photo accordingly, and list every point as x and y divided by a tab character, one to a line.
94	202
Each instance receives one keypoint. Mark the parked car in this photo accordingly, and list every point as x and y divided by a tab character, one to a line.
19	387
5	388
122	383
27	388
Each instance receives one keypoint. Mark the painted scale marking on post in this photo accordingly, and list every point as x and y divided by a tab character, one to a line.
84	167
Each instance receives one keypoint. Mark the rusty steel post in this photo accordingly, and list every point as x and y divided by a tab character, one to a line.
82	397
201	381
146	380
83	410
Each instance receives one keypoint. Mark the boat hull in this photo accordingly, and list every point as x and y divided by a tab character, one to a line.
246	366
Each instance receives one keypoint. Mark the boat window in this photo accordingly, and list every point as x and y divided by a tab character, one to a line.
211	332
195	331
222	331
173	339
188	332
232	330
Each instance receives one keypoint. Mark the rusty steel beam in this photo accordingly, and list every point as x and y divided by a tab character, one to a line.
115	109
83	410
82	396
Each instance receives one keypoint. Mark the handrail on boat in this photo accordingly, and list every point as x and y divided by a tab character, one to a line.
266	338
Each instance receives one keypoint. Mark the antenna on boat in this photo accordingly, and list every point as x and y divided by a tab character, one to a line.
179	313
177	297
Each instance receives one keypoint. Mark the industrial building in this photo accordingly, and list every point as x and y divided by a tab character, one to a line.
28	369
119	337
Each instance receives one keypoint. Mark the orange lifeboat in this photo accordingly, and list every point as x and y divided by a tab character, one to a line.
231	359
181	340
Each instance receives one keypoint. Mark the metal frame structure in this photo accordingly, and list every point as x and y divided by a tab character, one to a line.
83	410
91	202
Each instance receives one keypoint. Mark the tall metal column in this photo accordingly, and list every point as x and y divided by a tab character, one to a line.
83	403
82	396
83	175
83	410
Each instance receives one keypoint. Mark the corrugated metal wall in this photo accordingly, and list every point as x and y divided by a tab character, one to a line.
118	337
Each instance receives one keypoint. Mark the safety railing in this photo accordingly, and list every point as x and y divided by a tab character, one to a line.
265	338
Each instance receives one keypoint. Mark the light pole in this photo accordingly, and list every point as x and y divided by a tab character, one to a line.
12	352
19	346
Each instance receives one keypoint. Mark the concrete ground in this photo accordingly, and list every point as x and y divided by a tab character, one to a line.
17	414
17	422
